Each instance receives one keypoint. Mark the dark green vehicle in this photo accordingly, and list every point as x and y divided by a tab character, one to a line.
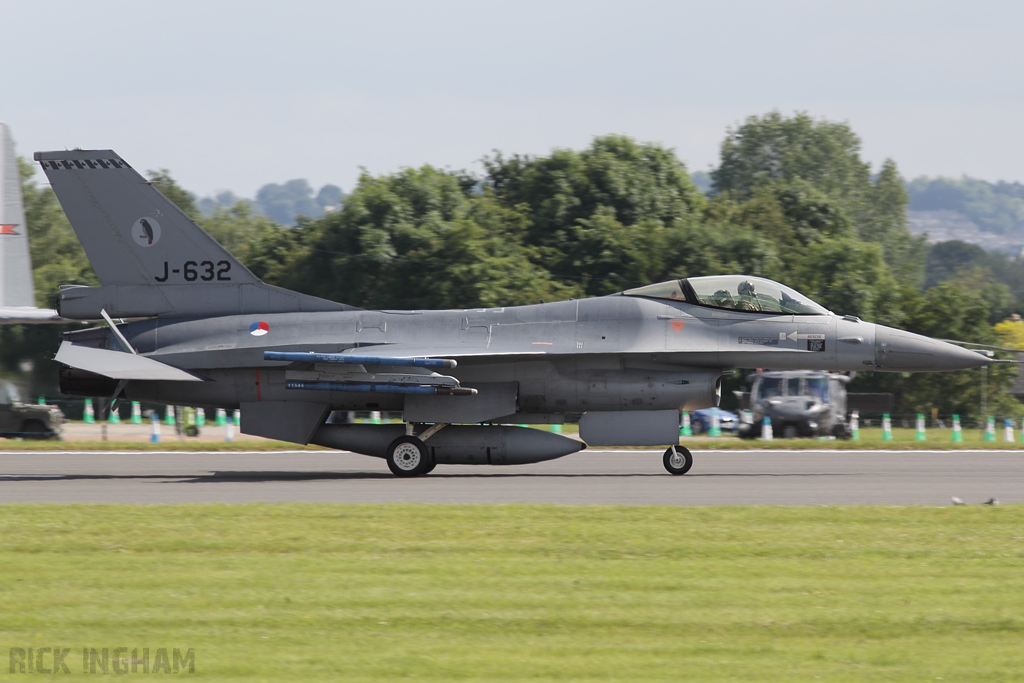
20	419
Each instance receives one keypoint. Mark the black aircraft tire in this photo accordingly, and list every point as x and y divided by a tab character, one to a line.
408	457
430	468
34	429
677	460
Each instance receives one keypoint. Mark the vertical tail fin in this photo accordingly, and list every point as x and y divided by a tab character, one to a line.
16	288
132	234
151	258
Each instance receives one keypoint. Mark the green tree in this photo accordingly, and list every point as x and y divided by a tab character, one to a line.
420	238
269	250
774	150
849	277
946	259
885	223
727	240
583	203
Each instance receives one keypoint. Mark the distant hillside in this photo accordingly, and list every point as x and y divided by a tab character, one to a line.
993	207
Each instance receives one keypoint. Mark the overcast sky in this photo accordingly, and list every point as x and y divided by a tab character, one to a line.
236	95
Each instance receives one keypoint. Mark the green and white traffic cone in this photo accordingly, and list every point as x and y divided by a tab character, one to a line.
222	417
200	417
855	426
687	428
41	401
957	433
886	427
114	417
237	417
136	413
990	429
169	418
556	429
920	436
89	416
716	423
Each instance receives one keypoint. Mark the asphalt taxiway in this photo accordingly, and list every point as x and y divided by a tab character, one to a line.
591	477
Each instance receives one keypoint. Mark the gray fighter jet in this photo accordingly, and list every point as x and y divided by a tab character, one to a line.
216	336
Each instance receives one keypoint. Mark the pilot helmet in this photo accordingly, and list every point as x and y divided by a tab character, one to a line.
746	288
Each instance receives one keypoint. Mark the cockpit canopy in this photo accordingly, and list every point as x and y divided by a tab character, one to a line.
733	292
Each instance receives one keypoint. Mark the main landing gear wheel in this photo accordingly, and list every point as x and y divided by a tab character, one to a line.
408	457
677	460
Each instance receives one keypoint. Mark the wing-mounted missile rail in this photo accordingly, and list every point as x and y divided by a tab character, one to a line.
342	372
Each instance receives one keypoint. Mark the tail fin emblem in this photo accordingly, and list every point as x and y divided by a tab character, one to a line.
259	329
146	232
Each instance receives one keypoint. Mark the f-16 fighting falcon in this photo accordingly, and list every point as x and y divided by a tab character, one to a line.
215	336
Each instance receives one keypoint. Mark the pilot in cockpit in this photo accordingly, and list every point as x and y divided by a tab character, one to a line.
748	297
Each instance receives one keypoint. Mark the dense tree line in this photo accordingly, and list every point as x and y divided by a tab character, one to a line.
791	200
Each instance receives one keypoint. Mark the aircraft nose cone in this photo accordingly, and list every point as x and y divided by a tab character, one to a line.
908	352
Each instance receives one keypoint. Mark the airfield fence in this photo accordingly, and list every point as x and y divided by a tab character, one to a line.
74	411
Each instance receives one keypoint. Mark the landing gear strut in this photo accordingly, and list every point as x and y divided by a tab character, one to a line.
677	460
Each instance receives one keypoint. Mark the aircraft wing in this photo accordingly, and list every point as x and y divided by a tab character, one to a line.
119	364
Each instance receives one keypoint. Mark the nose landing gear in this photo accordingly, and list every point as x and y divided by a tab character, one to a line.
677	460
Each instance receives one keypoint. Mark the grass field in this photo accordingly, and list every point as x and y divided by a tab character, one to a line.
486	593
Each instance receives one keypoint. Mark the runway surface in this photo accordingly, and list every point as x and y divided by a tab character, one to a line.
591	477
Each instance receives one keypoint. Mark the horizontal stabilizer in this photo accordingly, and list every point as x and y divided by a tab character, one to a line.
119	365
13	315
302	357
